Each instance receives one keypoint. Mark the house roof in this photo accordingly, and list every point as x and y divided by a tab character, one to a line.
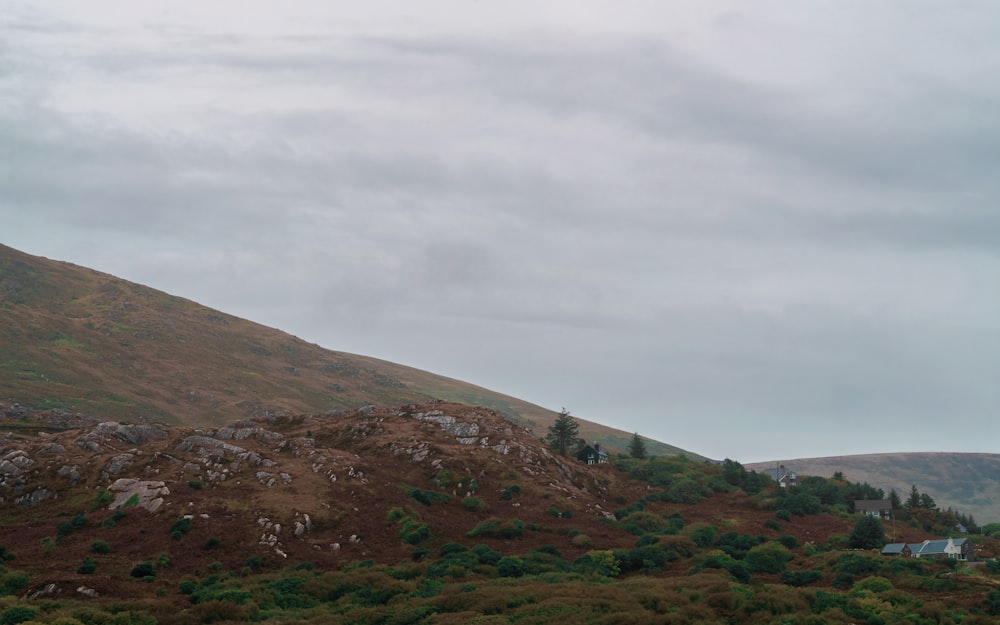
894	548
936	546
871	504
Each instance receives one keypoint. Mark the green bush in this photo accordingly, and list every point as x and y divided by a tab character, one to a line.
771	524
212	543
783	514
143	570
17	614
180	527
498	528
800	578
510	566
427	497
473	503
195	484
992	605
414	532
101	547
509	492
87	568
769	557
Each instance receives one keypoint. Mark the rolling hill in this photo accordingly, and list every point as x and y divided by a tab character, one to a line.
968	482
82	341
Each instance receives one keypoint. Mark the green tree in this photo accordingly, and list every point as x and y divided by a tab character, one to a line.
913	501
637	448
894	501
868	534
562	437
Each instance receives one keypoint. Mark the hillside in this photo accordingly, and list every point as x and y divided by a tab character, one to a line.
965	481
431	514
87	342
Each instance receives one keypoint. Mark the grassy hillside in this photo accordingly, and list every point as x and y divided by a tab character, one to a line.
432	514
84	341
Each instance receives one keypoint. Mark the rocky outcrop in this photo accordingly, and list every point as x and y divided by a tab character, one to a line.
146	494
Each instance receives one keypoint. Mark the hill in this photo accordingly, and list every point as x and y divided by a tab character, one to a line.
967	482
429	514
87	342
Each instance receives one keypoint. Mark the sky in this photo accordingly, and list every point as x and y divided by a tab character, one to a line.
758	231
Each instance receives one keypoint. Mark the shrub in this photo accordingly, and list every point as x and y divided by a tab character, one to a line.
510	566
800	578
873	584
473	503
17	614
180	527
101	547
703	535
427	497
771	524
783	514
187	586
768	558
87	568
486	555
253	563
212	543
195	484
5	555
993	602
498	528
414	532
143	570
509	492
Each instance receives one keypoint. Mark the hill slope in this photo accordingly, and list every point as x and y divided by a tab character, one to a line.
429	514
85	341
967	482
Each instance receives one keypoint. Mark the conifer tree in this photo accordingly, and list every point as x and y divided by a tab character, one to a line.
637	448
562	437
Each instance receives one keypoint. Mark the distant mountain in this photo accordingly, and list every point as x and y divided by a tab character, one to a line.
970	483
82	341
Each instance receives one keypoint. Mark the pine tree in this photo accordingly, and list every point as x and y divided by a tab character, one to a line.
562	437
637	448
868	534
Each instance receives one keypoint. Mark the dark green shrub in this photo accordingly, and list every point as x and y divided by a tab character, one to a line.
87	568
648	559
789	542
180	527
510	566
427	497
509	492
703	535
101	547
13	581
768	558
498	528
5	555
414	532
992	605
187	586
993	566
212	543
195	484
253	563
473	503
450	548
486	555
800	578
783	514
143	570
17	614
771	524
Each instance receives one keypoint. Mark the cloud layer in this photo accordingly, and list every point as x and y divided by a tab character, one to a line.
757	233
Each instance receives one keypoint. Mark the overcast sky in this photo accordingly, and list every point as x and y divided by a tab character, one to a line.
753	230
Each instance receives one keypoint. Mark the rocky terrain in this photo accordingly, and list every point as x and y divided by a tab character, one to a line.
315	488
